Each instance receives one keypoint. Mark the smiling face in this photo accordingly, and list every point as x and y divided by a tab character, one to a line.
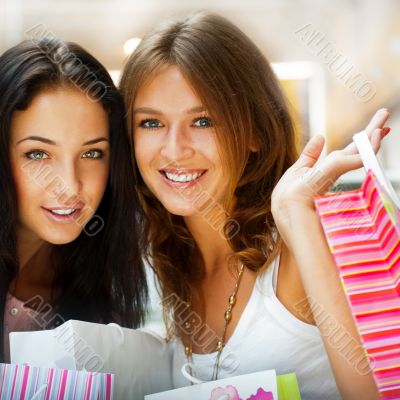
176	145
59	153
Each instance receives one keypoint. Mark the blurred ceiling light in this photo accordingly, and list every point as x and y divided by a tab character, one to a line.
130	45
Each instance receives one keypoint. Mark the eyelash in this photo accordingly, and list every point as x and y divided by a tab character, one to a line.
101	154
30	153
210	124
143	123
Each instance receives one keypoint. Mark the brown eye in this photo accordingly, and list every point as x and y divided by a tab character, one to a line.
93	154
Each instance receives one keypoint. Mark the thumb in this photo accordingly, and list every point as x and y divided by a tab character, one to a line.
311	152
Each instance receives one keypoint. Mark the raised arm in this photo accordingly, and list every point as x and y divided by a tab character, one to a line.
299	225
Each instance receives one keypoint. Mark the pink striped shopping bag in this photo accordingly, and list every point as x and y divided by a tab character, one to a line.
363	231
24	382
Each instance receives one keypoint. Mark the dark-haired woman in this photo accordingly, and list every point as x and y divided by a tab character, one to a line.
67	194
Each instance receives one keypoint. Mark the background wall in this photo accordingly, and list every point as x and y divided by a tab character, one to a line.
347	52
366	33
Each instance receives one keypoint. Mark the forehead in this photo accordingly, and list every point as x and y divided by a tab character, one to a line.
60	111
169	89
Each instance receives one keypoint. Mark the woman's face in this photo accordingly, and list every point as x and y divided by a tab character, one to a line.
59	154
176	146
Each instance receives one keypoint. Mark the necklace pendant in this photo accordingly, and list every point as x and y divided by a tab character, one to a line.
227	316
188	350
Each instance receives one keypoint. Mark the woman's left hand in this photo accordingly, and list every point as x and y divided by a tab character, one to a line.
299	225
311	176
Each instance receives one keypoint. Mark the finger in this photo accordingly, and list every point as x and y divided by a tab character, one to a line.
378	133
323	176
385	131
333	169
378	120
311	152
376	140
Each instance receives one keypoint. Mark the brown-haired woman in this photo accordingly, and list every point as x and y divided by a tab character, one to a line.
212	138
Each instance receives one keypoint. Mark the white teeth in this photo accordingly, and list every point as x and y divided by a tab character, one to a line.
64	212
182	178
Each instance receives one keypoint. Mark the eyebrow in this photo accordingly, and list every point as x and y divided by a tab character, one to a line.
150	110
51	142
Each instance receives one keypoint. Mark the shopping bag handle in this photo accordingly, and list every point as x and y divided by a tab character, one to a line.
371	163
187	374
120	331
40	391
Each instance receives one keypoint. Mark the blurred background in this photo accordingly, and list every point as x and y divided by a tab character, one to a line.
338	61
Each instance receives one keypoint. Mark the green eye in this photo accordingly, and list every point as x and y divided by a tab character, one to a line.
203	122
93	154
36	155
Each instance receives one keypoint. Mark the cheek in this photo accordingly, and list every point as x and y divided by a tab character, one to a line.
27	180
94	181
146	149
206	144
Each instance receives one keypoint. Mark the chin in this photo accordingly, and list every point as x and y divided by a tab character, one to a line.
184	210
60	238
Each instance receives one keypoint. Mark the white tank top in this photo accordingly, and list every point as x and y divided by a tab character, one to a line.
267	336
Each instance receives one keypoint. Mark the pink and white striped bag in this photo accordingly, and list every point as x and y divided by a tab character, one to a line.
363	231
23	382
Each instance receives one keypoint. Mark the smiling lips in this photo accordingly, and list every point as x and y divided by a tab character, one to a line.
62	214
181	177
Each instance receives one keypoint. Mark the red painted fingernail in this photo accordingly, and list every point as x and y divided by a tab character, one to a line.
386	131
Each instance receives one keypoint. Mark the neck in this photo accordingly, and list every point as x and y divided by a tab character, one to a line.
213	246
35	274
28	245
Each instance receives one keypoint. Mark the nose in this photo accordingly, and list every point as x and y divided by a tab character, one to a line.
176	145
66	184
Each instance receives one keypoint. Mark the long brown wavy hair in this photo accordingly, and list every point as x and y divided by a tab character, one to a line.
237	86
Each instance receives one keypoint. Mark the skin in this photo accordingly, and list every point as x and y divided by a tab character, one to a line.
297	221
178	135
65	134
175	140
162	104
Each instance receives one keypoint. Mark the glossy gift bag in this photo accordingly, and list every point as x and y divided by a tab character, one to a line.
363	231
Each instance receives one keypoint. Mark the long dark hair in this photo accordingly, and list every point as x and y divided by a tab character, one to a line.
101	276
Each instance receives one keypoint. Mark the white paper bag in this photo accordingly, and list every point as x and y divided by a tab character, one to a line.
140	359
256	386
371	163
